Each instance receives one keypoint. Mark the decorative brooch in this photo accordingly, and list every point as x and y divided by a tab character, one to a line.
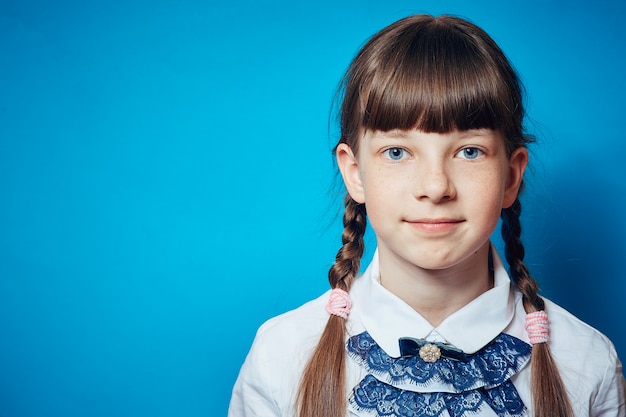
430	353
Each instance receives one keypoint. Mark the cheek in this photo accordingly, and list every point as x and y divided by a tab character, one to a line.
381	188
375	183
485	192
491	190
489	181
489	199
381	198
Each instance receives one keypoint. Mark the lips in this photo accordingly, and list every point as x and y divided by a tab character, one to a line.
435	224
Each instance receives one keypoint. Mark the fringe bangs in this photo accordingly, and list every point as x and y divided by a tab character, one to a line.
435	80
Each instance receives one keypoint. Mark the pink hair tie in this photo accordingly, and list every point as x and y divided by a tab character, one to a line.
339	303
537	327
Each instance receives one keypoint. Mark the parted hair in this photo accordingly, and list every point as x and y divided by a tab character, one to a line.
435	74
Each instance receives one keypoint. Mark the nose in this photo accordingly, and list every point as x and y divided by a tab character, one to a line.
434	183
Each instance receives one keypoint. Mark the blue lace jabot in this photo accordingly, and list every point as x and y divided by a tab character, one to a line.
411	387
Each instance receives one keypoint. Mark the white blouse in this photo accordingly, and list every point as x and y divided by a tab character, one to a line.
382	382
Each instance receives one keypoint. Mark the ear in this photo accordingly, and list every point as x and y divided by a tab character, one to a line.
517	165
349	168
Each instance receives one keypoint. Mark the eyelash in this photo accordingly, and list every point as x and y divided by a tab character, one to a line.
470	148
388	153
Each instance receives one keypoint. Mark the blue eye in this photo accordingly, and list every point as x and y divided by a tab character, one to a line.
395	154
470	153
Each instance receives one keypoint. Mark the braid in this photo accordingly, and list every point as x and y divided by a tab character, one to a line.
348	260
514	253
322	388
548	392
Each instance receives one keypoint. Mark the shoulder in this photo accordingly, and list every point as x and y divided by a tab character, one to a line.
269	378
587	361
570	334
297	329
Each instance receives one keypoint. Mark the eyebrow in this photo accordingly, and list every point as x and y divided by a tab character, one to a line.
403	134
391	134
474	132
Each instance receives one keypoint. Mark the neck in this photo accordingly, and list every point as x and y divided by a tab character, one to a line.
436	294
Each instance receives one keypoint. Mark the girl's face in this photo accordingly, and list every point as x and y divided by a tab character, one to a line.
432	199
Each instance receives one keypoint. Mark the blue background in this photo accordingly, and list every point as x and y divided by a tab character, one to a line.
166	182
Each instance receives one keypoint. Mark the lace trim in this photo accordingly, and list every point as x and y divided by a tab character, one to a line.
488	368
379	399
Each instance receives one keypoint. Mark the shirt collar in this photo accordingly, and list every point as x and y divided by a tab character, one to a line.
469	329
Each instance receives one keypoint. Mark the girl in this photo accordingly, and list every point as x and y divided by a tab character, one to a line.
432	150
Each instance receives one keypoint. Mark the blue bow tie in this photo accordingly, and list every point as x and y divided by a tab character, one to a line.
429	351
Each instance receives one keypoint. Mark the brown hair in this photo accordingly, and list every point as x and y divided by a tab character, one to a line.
435	74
